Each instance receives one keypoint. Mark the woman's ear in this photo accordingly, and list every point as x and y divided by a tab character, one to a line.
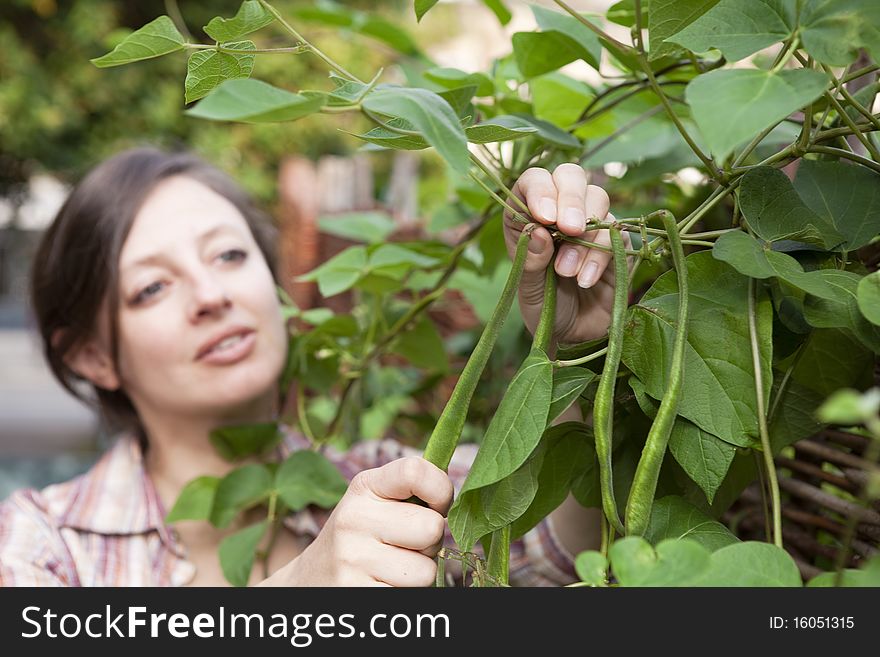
91	360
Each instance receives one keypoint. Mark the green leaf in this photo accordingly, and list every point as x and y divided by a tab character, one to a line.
868	297
550	133
422	7
674	517
512	435
832	31
624	12
240	489
459	99
369	227
848	407
541	52
748	257
339	273
568	384
422	346
195	500
775	211
673	562
738	28
653	137
592	567
254	101
719	388
431	115
499	128
567	452
750	564
450	78
307	477
666	17
867	575
846	196
587	41
237	552
251	16
559	99
843	311
731	106
208	68
502	13
236	442
704	457
156	38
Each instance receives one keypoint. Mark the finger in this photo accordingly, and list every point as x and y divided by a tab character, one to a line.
410	526
536	188
571	186
405	477
399	567
597	203
596	261
433	550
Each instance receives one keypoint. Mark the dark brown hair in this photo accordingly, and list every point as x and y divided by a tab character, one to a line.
75	270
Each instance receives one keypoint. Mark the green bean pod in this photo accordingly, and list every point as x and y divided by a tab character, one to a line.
644	486
603	406
447	432
547	321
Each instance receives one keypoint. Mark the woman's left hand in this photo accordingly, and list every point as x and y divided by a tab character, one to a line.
585	289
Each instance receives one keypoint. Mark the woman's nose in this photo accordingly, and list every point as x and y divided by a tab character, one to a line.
209	297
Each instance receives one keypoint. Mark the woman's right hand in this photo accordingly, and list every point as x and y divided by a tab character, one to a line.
375	538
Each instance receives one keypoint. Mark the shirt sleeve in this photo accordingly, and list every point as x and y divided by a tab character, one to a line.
32	551
536	559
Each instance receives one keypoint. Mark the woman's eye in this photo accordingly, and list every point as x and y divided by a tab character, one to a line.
148	291
233	255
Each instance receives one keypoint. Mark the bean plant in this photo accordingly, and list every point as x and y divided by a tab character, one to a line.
758	304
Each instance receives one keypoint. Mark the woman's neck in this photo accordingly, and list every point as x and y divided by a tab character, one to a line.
179	449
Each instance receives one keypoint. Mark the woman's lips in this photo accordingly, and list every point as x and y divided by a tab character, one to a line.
231	350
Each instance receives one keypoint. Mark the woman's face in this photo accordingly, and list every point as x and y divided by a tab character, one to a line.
200	327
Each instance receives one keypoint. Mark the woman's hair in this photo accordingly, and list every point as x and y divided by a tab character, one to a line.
76	266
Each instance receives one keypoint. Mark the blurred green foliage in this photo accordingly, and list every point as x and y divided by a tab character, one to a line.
60	114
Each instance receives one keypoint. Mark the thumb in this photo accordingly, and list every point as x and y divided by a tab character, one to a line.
531	286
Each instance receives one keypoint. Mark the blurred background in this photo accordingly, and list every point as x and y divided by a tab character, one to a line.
59	116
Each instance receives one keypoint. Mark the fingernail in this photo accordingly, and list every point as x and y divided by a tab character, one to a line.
589	275
548	209
574	219
536	244
569	263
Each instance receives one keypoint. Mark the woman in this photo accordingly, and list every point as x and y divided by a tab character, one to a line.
153	290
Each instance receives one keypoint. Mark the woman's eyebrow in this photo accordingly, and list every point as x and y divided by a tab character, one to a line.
155	258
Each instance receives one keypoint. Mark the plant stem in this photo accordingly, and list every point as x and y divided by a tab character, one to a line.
296	35
711	201
620	49
499	555
494	178
762	419
830	150
644	116
705	159
238	51
582	359
301	415
173	11
787	54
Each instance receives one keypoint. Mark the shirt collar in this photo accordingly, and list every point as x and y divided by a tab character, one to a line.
116	496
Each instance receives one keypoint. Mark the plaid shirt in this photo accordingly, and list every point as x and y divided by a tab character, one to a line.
107	528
